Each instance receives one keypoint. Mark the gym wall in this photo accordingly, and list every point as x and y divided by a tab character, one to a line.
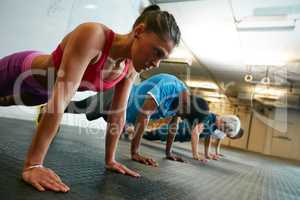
265	133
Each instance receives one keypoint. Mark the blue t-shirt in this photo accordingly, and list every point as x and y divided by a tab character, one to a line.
163	88
184	130
183	133
209	125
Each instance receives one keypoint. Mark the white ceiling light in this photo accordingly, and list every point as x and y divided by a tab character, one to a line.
266	97
215	95
256	58
184	61
180	55
266	23
90	6
210	96
202	84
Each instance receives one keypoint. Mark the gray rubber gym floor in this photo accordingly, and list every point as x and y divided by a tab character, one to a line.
77	156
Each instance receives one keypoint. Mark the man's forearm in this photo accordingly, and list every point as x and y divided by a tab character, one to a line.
171	135
142	121
170	140
140	127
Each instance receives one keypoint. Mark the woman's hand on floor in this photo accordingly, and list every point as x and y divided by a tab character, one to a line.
43	179
144	160
198	157
174	158
122	169
215	156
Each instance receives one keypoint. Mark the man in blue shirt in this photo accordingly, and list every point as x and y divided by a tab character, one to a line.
158	97
163	89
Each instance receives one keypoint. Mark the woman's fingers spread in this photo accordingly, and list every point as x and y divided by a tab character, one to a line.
50	185
42	179
55	186
62	187
65	186
56	181
38	186
54	175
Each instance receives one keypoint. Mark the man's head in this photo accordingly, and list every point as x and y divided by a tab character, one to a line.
230	125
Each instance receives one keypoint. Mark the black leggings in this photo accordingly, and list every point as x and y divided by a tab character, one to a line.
94	107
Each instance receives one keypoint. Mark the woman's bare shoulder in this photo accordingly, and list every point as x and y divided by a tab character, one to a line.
89	34
91	27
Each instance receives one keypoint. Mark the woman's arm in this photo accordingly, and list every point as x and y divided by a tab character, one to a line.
173	128
115	124
218	146
77	54
197	130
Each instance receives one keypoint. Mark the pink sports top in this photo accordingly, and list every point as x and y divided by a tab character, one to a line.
92	79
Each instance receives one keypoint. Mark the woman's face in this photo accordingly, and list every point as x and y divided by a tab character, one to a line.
223	126
148	49
220	124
